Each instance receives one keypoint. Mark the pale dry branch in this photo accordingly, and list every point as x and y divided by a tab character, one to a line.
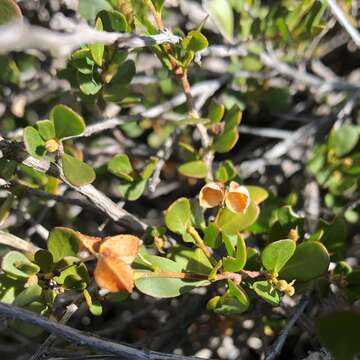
344	21
13	151
22	36
17	243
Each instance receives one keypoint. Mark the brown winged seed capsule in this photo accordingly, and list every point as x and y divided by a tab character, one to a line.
211	195
113	271
237	198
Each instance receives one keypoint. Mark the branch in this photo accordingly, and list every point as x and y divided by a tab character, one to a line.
75	336
344	21
14	152
17	37
291	72
17	243
275	349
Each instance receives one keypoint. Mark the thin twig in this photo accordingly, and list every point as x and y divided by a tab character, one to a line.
78	337
344	21
275	349
14	152
16	37
47	344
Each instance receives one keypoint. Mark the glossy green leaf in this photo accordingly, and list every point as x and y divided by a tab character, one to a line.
89	84
17	264
149	168
45	260
231	223
211	236
34	143
309	261
120	165
178	216
232	118
125	73
257	194
277	254
46	129
196	169
164	287
132	190
236	260
334	237
76	171
195	41
266	292
66	122
9	11
216	111
89	9
226	172
94	307
193	261
339	332
113	21
63	242
28	295
226	141
97	50
222	14
83	61
343	139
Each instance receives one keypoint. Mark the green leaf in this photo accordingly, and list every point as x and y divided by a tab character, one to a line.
34	143
222	14
226	171
89	83
113	21
211	236
354	168
117	92
29	295
309	261
132	190
196	169
193	261
231	223
343	139
232	118
149	168
159	4
334	237
18	265
5	208
216	111
120	165
125	73
257	194
77	172
339	331
164	287
226	141
46	129
266	292
234	301
237	260
82	61
97	50
9	11
66	122
195	41
45	260
89	9
63	242
277	254
178	216
94	307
